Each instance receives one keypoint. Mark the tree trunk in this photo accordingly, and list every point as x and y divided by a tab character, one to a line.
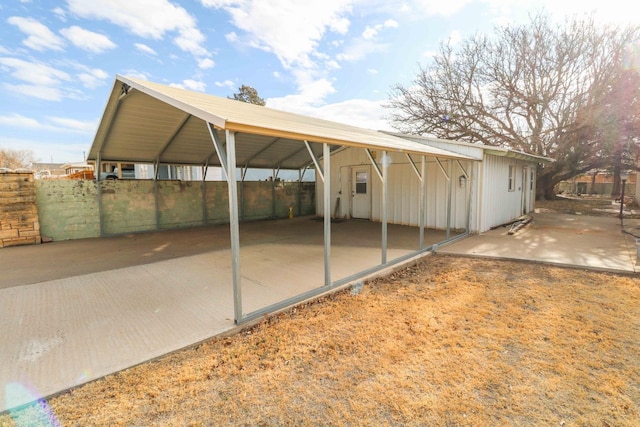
615	191
545	188
592	191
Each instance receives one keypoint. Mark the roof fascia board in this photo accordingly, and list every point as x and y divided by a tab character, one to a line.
111	109
505	152
496	151
187	108
244	128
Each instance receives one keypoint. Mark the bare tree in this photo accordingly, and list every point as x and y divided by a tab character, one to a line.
248	94
536	88
15	159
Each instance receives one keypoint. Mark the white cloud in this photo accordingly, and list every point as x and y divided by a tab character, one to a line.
441	8
60	13
226	83
359	48
17	120
88	40
63	124
146	18
56	124
40	37
367	43
371	32
191	85
144	48
290	29
390	23
356	112
206	63
34	72
136	74
93	78
231	37
372	71
311	95
46	93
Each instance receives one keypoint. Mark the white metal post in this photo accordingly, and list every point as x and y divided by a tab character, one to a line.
449	199
234	224
385	197
422	199
228	163
326	157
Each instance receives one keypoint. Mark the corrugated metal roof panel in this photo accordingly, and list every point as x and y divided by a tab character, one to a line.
144	120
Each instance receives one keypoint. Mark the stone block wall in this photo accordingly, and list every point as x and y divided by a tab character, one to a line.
19	224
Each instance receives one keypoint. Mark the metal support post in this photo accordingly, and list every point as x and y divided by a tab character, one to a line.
449	199
326	157
228	163
234	225
385	200
423	199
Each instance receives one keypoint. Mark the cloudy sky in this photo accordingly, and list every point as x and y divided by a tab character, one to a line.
335	59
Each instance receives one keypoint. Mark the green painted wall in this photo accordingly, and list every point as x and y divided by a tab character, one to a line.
69	209
128	206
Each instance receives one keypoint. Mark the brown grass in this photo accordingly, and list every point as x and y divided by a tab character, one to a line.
449	342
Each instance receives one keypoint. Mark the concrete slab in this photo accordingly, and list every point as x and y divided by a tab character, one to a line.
591	242
78	310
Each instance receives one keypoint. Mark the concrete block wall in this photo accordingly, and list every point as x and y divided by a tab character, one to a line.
68	208
74	209
19	224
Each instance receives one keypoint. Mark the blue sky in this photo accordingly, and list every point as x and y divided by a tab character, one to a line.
334	59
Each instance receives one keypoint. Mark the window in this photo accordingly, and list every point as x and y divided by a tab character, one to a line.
361	182
533	180
512	178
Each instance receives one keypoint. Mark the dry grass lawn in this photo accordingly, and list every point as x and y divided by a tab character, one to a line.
448	342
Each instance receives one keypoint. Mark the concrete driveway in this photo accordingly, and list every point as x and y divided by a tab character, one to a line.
74	311
71	312
591	242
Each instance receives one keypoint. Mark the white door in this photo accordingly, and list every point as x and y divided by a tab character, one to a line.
360	192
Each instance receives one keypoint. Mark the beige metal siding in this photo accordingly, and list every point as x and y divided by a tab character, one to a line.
499	205
404	187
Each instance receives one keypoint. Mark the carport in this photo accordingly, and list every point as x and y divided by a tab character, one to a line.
146	122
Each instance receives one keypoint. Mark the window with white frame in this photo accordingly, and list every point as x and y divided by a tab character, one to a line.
512	178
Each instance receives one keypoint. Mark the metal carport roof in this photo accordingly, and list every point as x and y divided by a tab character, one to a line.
147	122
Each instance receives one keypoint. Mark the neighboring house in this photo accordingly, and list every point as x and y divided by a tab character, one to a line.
124	170
602	184
48	170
